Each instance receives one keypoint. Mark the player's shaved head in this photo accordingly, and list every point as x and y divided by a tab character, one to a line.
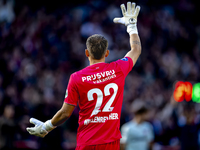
97	46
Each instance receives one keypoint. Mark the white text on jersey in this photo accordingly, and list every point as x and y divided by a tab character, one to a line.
96	78
101	119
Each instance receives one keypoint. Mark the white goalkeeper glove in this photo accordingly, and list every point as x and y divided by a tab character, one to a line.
40	129
129	18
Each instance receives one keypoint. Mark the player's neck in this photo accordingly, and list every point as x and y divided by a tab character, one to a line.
95	61
137	119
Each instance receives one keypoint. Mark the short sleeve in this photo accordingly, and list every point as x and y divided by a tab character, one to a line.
72	95
126	65
124	132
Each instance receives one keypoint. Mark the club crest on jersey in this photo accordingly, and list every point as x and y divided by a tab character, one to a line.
124	59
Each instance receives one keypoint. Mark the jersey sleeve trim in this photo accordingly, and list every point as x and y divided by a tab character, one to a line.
70	104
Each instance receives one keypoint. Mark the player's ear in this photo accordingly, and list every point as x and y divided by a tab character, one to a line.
87	54
107	53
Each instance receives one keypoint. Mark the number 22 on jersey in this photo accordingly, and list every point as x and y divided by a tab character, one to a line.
107	107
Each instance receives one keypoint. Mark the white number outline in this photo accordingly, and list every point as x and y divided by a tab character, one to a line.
99	99
107	107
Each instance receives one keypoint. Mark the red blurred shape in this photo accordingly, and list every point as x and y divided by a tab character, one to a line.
179	92
188	91
183	90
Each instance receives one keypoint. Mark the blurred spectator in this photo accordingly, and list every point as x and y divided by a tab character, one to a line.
6	11
189	129
7	128
137	134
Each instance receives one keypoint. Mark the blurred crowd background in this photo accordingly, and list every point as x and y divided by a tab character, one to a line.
43	42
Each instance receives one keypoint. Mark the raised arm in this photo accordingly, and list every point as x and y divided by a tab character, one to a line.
135	51
129	19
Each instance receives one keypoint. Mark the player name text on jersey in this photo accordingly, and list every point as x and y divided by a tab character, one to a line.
101	119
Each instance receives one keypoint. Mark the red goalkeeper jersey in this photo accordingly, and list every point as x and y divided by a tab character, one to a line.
98	90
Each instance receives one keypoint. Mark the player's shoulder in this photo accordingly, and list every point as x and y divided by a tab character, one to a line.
78	74
119	62
124	62
147	124
73	75
127	125
125	59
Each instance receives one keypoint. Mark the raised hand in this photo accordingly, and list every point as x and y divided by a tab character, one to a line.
129	15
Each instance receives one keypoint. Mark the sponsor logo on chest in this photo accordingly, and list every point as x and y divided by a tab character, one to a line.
96	78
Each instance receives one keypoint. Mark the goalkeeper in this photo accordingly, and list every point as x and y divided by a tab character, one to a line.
98	89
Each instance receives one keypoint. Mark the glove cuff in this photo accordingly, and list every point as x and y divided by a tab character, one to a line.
132	29
49	126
